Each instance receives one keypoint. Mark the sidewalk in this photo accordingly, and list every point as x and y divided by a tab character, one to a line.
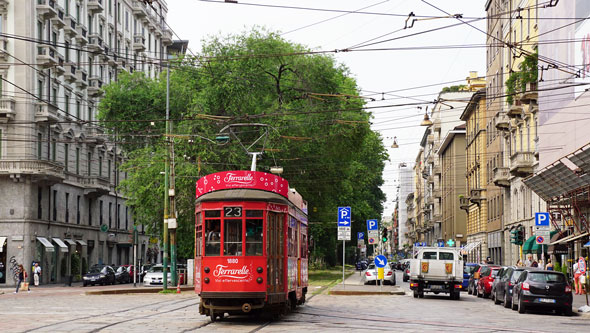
353	286
77	288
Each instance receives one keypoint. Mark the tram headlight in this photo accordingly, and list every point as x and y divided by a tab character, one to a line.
259	269
206	280
207	270
259	280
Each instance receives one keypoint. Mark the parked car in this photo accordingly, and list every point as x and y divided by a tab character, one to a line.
99	274
131	270
155	275
370	275
406	269
542	289
361	265
503	289
468	270
486	278
472	284
497	280
121	274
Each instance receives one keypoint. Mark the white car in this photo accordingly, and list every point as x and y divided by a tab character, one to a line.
370	275
154	276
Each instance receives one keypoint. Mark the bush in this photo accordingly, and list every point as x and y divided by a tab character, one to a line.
557	267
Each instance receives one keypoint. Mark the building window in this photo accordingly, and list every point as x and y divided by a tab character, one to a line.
67	207
78	109
100	166
53	149
78	210
66	157
89	211
54	205
110	214
89	113
126	218
39	202
40	89
67	104
100	207
118	216
39	146
67	51
89	164
109	170
77	161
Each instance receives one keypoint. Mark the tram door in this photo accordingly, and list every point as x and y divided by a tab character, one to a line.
275	252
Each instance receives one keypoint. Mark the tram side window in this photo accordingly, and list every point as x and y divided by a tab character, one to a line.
213	241
303	241
254	237
232	234
199	236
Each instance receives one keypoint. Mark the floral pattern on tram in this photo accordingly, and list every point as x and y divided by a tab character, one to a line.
243	180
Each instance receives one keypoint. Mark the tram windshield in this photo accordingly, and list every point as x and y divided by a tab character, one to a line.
254	237
232	234
213	237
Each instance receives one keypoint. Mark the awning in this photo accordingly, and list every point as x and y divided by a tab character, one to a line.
571	238
2	242
528	245
124	245
470	246
70	242
81	242
47	244
554	247
62	246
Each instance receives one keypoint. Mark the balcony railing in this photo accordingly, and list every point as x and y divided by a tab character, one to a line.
515	109
501	176
477	195
464	203
95	43
46	56
502	121
46	8
139	8
58	20
70	72
138	42
94	6
45	171
94	86
70	26
82	34
166	37
81	77
530	93
46	112
95	186
521	164
7	110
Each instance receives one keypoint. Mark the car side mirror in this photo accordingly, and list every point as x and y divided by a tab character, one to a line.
476	275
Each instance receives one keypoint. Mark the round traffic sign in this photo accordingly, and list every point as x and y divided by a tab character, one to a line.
540	239
371	240
104	228
380	261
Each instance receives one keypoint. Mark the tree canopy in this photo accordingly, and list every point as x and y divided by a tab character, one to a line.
319	132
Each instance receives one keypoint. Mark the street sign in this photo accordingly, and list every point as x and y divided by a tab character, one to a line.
104	228
543	232
360	235
542	219
372	225
380	261
372	240
344	233
450	243
344	217
542	240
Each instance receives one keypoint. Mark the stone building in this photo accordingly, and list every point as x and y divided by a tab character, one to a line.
58	170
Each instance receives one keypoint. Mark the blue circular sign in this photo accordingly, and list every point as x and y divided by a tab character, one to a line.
380	261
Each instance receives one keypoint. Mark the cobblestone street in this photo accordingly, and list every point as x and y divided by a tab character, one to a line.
62	309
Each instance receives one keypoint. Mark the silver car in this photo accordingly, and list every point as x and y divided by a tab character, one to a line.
154	276
369	275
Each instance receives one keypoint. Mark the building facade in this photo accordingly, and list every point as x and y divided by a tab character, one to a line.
406	186
58	169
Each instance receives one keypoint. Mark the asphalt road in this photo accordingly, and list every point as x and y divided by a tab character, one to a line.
70	310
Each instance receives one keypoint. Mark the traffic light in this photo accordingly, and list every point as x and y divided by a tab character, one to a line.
520	237
513	236
384	235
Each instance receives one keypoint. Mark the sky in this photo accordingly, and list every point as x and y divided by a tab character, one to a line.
406	72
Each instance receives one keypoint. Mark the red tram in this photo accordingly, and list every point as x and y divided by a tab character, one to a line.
250	244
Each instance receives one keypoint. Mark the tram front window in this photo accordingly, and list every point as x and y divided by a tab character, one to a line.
232	234
254	237
213	238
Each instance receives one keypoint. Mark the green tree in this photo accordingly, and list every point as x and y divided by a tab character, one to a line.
319	132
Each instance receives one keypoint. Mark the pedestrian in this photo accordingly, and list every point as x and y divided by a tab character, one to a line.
577	274
535	263
519	263
549	265
37	273
529	260
22	279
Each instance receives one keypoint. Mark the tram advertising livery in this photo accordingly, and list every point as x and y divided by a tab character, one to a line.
250	244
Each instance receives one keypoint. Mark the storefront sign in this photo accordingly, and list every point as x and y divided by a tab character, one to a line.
242	180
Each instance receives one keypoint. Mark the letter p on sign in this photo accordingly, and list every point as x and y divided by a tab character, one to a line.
542	219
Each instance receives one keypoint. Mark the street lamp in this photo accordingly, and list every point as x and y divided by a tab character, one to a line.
426	121
394	145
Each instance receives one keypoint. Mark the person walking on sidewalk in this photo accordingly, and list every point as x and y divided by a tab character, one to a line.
22	279
577	274
36	273
549	265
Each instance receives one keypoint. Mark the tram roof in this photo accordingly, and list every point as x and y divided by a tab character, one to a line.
242	194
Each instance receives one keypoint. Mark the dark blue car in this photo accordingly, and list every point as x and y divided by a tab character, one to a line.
468	269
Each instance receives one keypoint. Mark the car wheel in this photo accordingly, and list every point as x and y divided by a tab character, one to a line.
567	311
496	300
421	294
469	290
521	307
477	293
415	294
84	284
506	303
457	295
513	305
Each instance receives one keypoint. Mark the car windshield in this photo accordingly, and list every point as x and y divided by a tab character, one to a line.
546	277
495	272
515	275
94	270
156	269
469	269
371	266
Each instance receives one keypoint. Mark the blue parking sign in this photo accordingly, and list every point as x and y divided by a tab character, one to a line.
372	225
344	217
542	219
360	235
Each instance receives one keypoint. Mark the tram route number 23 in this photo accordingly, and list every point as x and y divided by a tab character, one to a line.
232	211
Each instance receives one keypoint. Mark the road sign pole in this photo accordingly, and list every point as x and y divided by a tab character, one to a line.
343	249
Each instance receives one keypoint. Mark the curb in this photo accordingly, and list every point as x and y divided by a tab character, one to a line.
364	293
133	291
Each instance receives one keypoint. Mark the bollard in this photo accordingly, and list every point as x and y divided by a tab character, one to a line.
178	288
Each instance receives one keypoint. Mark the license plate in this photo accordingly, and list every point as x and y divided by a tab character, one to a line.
436	287
546	300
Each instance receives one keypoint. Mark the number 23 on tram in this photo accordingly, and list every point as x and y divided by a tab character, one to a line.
250	244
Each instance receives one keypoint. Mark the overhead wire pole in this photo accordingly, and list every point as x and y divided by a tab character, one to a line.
166	184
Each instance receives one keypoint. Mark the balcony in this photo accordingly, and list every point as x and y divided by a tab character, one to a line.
166	37
530	93
95	186
428	200
138	42
94	135
47	172
521	164
502	121
81	78
437	193
464	203
4	5
477	196
437	170
95	43
111	58
516	109
94	6
82	34
58	20
430	158
139	9
437	218
431	179
7	110
501	176
70	26
46	56
46	8
95	86
70	72
45	112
